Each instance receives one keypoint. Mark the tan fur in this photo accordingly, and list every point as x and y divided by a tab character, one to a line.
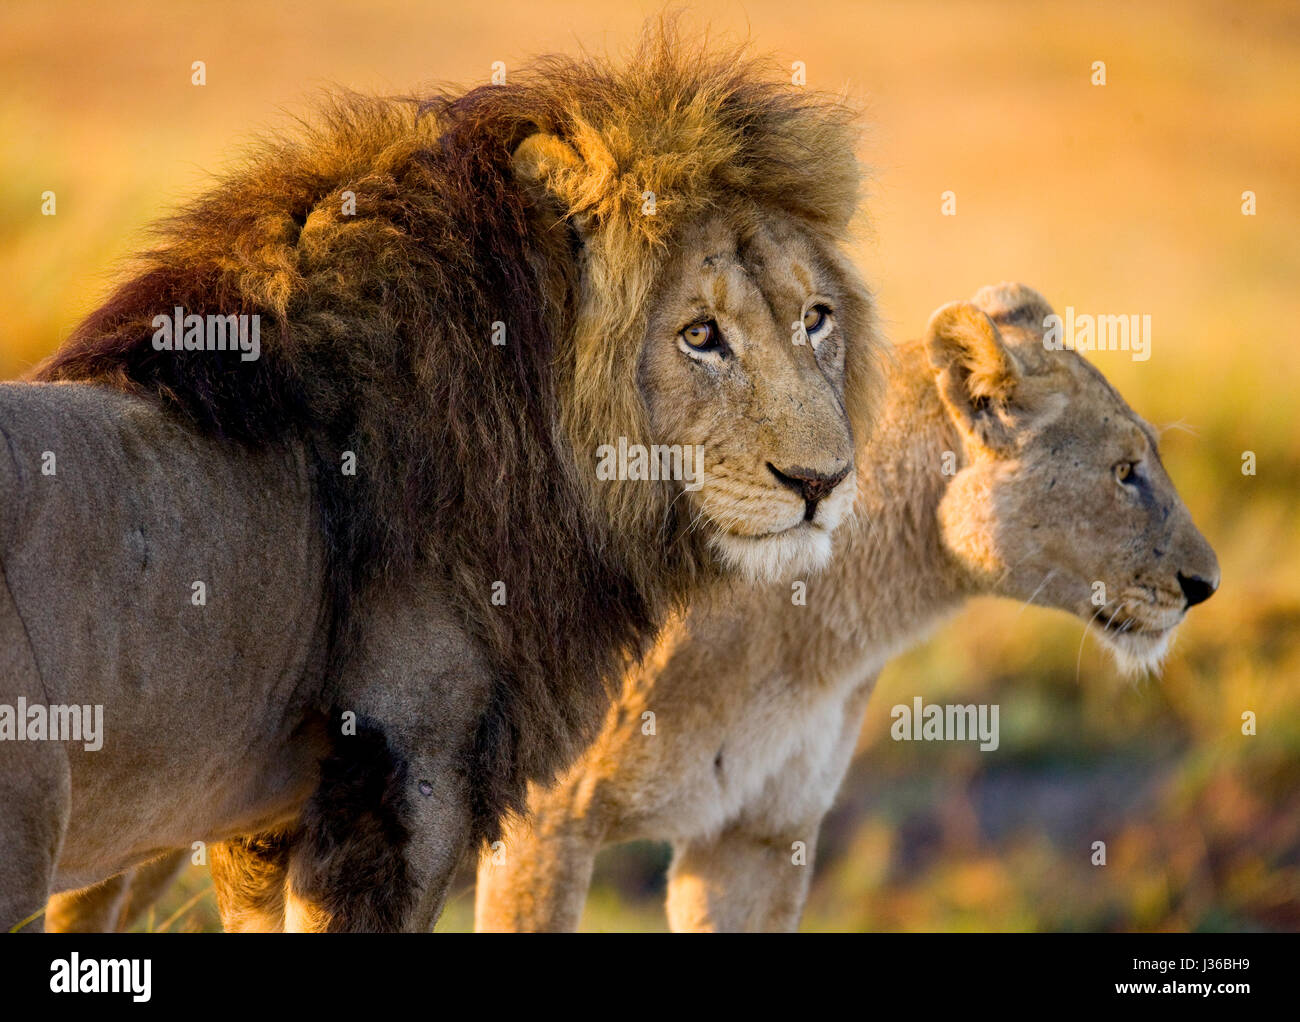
739	437
757	702
115	904
100	594
372	595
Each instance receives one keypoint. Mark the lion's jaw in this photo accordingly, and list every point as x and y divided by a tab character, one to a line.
802	546
1138	652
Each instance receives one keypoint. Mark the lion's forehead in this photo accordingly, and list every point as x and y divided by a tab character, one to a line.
769	265
1093	421
1093	418
1073	395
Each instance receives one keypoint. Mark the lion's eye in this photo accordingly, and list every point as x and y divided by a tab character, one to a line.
817	322
1124	472
702	336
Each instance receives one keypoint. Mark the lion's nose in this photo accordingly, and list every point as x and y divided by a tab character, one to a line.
810	485
1196	589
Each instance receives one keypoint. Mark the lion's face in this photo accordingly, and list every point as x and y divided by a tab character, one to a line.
744	361
1065	501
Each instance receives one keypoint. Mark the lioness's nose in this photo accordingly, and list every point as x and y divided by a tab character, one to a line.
810	485
1196	589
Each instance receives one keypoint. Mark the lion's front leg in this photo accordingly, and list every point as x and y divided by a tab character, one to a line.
380	839
249	875
741	881
755	874
537	877
379	842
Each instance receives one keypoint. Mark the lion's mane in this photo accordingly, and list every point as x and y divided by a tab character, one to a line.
472	458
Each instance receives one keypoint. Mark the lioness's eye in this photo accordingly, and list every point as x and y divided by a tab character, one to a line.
1124	471
702	336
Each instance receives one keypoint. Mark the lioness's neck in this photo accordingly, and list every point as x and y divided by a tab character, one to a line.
891	570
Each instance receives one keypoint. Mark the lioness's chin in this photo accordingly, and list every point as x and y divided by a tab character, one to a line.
1138	652
804	548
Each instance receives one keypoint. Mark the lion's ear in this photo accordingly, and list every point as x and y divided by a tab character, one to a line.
551	172
976	373
542	157
1011	303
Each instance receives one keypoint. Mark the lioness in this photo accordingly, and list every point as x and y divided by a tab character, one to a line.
757	703
341	595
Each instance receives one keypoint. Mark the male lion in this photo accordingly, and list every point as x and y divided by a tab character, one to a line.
758	703
342	602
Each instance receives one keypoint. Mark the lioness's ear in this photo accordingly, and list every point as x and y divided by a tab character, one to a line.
551	171
976	373
1013	303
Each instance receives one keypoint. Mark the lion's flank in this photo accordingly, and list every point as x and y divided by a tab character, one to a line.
380	246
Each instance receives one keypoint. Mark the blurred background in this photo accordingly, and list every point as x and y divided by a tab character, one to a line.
1119	198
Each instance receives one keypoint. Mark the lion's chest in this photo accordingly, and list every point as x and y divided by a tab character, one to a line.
775	759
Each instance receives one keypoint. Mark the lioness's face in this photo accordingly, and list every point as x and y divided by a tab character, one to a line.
1072	502
745	362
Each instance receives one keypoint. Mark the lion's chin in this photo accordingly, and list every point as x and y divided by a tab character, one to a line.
776	556
1138	652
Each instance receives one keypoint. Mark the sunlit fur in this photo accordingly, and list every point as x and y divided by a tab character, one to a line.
1132	540
765	696
521	204
989	473
802	548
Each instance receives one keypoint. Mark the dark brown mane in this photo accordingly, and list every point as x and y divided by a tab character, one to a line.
376	339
